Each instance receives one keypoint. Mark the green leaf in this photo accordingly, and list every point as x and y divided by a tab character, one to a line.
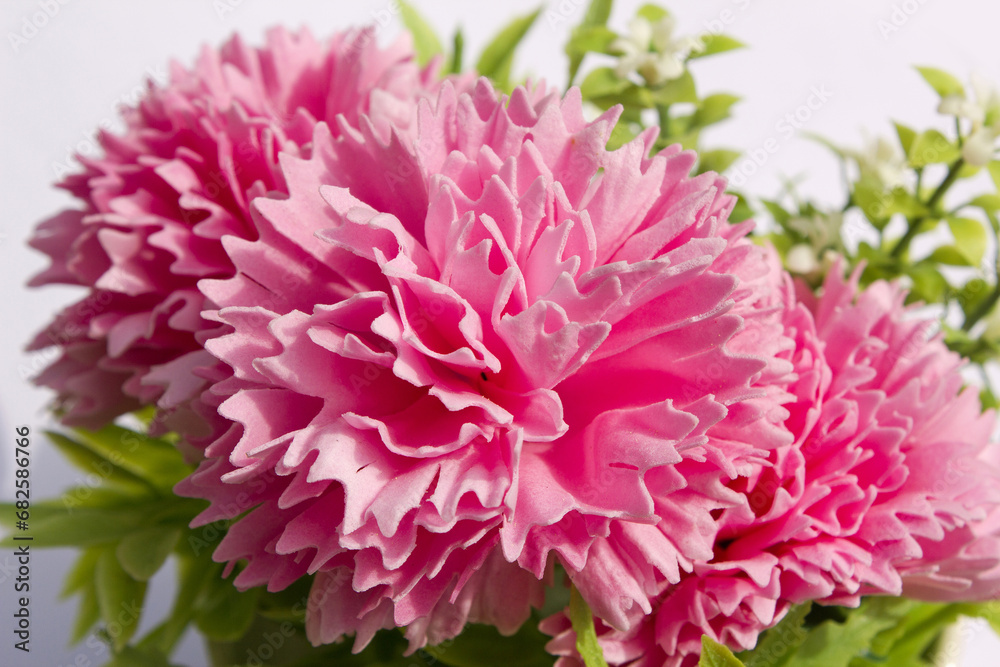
713	109
994	169
88	613
602	82
425	41
906	136
653	13
85	527
143	553
597	15
681	89
99	467
620	135
873	201
714	44
193	576
119	597
990	202
970	238
929	285
590	39
82	572
943	83
932	147
598	12
158	462
226	612
498	56
833	644
777	211
907	642
714	654
990	611
481	645
586	635
778	645
950	255
717	160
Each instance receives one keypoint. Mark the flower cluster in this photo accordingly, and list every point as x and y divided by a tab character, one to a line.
427	340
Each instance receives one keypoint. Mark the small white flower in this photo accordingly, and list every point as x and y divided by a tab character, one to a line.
822	231
984	113
653	51
882	161
801	259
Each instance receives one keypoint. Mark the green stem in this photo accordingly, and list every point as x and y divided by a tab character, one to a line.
586	635
914	224
663	112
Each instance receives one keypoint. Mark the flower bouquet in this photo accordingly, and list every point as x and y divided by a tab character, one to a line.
399	359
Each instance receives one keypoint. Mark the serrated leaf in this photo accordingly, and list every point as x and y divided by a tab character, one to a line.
713	109
713	44
425	41
226	613
586	636
498	56
143	553
944	84
906	136
970	238
119	597
714	654
932	147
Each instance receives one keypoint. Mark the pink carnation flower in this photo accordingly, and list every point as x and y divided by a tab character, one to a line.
460	350
889	487
157	204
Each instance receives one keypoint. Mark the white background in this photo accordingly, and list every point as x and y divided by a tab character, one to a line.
74	70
